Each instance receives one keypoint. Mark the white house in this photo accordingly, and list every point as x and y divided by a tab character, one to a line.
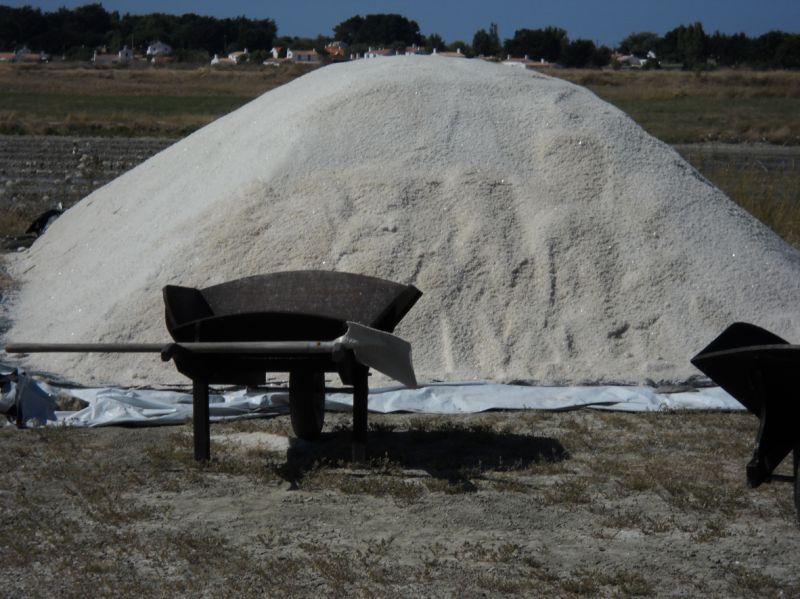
337	50
414	49
307	56
124	56
24	55
379	53
158	48
222	61
241	56
456	54
631	61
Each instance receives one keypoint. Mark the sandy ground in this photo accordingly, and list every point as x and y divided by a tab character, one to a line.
580	503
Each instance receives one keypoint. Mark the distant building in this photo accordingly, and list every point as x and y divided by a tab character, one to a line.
101	56
630	61
414	49
24	54
456	54
158	48
526	62
162	59
379	53
224	61
239	56
305	56
337	50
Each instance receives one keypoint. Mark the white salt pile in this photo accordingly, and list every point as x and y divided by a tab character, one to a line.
553	238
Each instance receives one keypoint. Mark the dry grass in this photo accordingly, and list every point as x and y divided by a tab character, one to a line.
141	101
656	84
70	80
765	185
678	107
14	222
129	512
687	107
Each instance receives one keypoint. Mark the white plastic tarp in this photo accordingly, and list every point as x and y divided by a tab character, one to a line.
144	407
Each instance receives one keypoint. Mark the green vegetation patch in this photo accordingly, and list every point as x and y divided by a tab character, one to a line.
690	119
60	105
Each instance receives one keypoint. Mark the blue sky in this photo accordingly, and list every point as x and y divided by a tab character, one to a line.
603	21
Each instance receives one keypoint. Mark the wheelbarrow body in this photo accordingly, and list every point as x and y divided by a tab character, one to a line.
760	370
284	306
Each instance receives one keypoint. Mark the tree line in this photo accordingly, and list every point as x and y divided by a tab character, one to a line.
75	33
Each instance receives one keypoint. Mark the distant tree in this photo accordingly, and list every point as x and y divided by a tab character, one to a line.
199	32
154	27
434	42
685	44
380	29
191	56
460	46
537	43
494	37
254	34
481	43
304	43
693	43
259	56
787	55
578	54
486	43
602	57
20	26
398	47
92	18
640	43
79	53
766	47
730	50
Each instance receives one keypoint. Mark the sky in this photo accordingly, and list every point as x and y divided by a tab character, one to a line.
602	21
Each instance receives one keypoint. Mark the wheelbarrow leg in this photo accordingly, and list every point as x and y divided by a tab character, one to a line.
796	455
202	434
360	394
757	469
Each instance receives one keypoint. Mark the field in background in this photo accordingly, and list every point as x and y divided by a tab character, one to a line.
708	114
677	107
723	107
716	106
130	102
762	179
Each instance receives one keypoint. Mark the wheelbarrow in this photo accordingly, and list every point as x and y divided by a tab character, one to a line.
760	369
305	323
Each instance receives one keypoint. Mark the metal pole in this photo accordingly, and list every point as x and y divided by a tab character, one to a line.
196	347
133	348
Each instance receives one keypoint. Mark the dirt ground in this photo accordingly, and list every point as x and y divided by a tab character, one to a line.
578	503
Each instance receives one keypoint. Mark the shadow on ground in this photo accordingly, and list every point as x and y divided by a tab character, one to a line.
452	455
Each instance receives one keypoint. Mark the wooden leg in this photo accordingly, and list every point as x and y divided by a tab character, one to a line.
360	395
796	457
202	433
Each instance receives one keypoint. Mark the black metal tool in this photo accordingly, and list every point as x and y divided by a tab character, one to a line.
760	370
